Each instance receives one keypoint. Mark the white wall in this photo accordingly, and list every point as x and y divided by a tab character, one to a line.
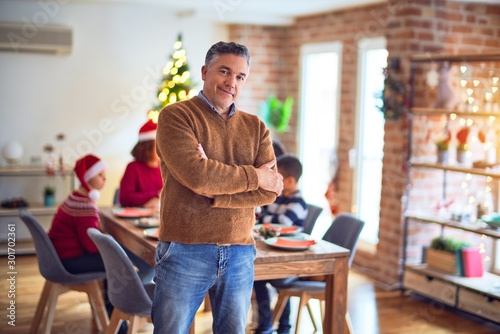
99	94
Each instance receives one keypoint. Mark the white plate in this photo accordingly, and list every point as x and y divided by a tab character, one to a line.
151	233
296	243
147	222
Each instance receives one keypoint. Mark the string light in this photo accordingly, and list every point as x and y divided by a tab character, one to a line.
176	85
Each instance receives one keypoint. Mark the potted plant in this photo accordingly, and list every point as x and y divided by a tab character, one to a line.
49	196
444	255
442	145
462	136
276	113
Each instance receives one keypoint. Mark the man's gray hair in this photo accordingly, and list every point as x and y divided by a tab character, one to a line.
226	48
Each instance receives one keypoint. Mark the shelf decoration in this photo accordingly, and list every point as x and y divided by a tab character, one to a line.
442	145
60	138
12	152
444	255
49	163
49	196
393	97
445	95
462	136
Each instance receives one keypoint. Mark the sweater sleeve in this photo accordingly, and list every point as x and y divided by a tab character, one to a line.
82	225
130	194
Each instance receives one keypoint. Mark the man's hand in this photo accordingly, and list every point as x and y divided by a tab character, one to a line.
201	152
270	179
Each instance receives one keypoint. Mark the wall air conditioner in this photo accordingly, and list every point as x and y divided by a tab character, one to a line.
26	37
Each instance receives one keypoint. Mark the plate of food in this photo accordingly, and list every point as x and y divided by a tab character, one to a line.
132	212
151	233
145	222
295	243
274	230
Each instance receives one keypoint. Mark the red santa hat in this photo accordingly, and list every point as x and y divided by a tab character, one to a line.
148	131
87	168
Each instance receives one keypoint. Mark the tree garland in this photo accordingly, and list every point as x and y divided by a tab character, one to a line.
393	98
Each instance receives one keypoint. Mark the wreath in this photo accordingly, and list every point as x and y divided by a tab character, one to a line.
393	97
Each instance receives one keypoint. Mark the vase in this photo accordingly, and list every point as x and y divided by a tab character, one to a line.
49	200
461	156
442	157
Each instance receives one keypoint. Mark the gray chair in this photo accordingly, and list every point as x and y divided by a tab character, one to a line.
131	299
116	197
344	231
59	280
313	213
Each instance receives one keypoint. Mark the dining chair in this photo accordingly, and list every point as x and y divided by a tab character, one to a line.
116	197
58	280
313	213
132	300
344	232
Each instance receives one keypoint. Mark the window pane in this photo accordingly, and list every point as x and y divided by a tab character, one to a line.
319	137
370	138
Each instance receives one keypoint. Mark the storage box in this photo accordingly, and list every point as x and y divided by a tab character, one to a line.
443	261
472	262
479	304
430	287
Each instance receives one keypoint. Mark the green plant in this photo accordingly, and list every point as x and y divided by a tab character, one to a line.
49	190
448	245
276	113
443	142
392	98
442	145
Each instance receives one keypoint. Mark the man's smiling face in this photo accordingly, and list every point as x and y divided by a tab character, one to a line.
223	79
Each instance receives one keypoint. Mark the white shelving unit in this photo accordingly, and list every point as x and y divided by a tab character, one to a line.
28	182
479	295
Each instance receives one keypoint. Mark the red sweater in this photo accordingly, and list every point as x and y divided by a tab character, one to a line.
139	184
69	227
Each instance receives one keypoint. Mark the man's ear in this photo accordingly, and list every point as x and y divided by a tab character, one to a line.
203	72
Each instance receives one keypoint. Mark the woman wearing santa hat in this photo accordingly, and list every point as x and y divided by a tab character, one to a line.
141	183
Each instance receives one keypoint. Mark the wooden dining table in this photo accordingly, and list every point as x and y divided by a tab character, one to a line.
323	258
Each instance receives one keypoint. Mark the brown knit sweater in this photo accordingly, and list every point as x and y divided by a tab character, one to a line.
235	148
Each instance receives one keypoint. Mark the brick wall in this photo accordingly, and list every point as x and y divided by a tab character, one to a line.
410	27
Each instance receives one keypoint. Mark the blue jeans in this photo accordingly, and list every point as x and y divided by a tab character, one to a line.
185	273
264	306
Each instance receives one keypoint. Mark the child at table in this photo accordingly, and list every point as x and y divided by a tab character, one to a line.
288	209
141	183
75	215
79	212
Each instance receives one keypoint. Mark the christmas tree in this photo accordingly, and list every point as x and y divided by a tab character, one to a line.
176	81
